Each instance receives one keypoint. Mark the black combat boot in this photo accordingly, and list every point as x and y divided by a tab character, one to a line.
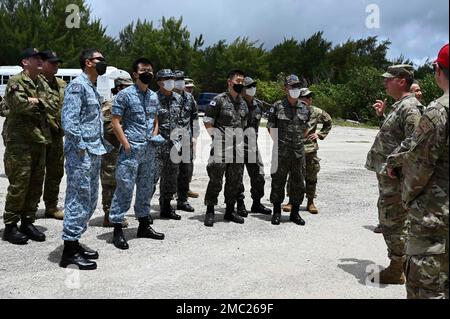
119	240
232	216
72	257
185	207
32	232
13	235
295	216
146	231
259	208
209	217
276	218
88	253
167	212
241	209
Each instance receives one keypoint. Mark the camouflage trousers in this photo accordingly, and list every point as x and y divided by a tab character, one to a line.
25	168
312	172
54	171
136	169
257	180
168	173
294	168
108	178
393	217
186	171
83	175
5	126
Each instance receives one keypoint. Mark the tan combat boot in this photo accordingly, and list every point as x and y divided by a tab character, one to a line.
393	275
54	213
287	208
312	207
192	194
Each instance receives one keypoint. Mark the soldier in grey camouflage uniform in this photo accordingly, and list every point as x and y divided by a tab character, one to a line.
109	160
426	194
225	115
394	136
288	126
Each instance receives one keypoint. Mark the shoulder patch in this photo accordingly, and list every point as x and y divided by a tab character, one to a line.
213	103
75	88
425	125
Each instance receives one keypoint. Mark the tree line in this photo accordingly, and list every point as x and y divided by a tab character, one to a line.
345	77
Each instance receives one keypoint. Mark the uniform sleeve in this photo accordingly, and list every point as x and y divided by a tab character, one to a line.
327	122
119	105
195	121
71	113
17	100
272	119
419	163
411	119
212	112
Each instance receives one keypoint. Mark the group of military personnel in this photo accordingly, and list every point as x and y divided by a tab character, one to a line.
144	137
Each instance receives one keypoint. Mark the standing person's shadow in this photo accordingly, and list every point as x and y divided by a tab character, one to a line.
361	269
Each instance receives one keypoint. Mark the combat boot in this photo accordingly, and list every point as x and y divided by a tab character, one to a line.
185	207
393	275
119	240
13	235
259	208
276	218
167	212
232	216
287	208
108	224
192	194
146	231
312	207
72	257
295	216
54	213
241	209
31	231
209	217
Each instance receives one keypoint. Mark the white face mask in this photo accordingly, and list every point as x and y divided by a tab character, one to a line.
295	93
251	92
169	85
180	85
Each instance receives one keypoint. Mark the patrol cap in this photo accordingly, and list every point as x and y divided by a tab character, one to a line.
31	52
179	75
443	57
399	71
292	80
248	82
165	74
189	83
305	92
51	57
123	81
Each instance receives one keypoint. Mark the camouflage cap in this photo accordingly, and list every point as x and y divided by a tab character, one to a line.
305	92
179	75
189	83
292	80
248	81
165	74
399	71
123	81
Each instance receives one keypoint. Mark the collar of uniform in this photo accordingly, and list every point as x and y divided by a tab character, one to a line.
138	90
238	100
396	104
85	78
298	106
26	78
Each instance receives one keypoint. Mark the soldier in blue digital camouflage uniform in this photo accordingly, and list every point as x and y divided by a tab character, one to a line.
84	145
169	116
135	125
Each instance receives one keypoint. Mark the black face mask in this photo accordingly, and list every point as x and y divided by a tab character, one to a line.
146	77
238	88
101	67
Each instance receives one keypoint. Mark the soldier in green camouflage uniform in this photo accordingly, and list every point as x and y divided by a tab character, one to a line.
426	194
394	137
317	116
27	136
54	164
109	160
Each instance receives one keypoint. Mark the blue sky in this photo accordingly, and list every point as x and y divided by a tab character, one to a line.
417	29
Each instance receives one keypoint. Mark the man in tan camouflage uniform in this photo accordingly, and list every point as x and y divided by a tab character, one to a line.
318	116
54	163
426	194
28	134
109	160
396	131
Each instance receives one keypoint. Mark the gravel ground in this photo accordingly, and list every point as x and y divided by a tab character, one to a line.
326	259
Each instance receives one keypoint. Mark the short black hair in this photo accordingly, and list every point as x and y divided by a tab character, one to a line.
144	61
85	55
235	72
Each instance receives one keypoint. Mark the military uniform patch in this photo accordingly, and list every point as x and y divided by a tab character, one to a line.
425	125
75	88
213	103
